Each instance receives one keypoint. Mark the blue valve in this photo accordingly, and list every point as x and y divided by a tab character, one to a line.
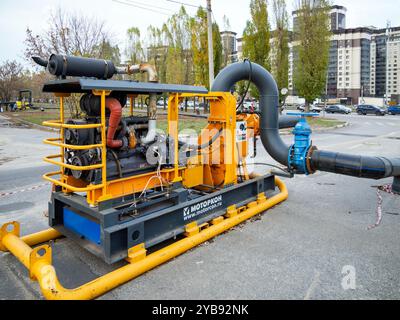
297	158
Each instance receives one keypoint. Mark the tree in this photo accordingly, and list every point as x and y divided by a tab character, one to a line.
199	42
70	34
134	50
256	37
10	79
280	66
107	51
218	49
178	40
312	34
199	46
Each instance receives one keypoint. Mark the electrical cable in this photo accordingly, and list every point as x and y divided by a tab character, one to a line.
183	3
140	7
149	5
248	85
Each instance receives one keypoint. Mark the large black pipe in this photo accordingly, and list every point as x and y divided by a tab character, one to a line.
269	103
286	122
353	165
63	66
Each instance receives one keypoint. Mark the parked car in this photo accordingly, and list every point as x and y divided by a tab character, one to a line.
313	108
160	103
365	109
337	108
394	110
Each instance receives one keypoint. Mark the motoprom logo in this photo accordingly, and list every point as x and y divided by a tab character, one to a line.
202	207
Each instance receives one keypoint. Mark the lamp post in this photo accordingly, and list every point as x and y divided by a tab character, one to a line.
210	44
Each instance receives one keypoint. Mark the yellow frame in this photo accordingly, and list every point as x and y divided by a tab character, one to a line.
58	142
122	187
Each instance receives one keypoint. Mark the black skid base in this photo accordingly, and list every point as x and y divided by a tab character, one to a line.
115	226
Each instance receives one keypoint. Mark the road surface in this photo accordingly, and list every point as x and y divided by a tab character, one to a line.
297	250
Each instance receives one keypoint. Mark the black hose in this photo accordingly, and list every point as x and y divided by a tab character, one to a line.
208	143
269	104
355	165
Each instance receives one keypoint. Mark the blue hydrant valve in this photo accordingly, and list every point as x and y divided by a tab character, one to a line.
297	158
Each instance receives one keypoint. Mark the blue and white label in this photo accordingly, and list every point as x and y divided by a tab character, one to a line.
202	208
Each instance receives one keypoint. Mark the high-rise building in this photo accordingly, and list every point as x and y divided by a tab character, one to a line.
362	61
337	18
229	46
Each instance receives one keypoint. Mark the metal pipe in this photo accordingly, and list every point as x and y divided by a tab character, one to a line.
269	103
44	272
286	122
140	68
115	118
63	66
151	133
353	165
41	237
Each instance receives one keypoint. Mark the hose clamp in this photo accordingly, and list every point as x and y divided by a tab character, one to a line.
64	68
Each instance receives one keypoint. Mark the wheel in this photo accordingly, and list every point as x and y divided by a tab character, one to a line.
378	113
359	113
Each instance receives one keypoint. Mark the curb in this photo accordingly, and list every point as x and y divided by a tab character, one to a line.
289	132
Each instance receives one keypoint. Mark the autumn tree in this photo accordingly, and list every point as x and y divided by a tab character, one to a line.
312	35
280	48
71	34
199	46
134	49
11	79
256	37
178	40
218	49
199	43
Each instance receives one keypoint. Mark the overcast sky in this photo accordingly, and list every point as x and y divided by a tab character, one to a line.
17	15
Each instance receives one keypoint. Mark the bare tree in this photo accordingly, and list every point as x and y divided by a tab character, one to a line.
72	34
10	79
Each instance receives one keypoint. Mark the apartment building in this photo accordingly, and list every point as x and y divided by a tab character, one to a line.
362	61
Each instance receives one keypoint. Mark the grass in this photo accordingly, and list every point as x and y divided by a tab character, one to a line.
185	123
324	123
191	124
35	117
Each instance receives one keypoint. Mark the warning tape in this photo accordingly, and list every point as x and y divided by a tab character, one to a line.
385	188
5	194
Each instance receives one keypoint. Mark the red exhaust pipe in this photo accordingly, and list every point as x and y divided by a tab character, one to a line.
115	117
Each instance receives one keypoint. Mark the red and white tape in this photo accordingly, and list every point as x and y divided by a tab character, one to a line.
5	194
385	188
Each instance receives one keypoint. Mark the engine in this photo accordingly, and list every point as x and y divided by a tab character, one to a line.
129	141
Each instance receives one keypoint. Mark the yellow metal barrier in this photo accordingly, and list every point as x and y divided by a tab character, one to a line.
48	176
49	159
57	124
53	142
38	260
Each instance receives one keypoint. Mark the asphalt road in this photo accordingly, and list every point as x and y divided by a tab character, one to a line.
297	250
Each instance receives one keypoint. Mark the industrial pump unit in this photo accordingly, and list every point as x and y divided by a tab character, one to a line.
123	189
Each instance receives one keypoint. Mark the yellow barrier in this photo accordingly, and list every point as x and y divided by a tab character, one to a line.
38	260
67	186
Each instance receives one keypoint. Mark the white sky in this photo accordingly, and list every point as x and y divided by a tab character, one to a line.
17	15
